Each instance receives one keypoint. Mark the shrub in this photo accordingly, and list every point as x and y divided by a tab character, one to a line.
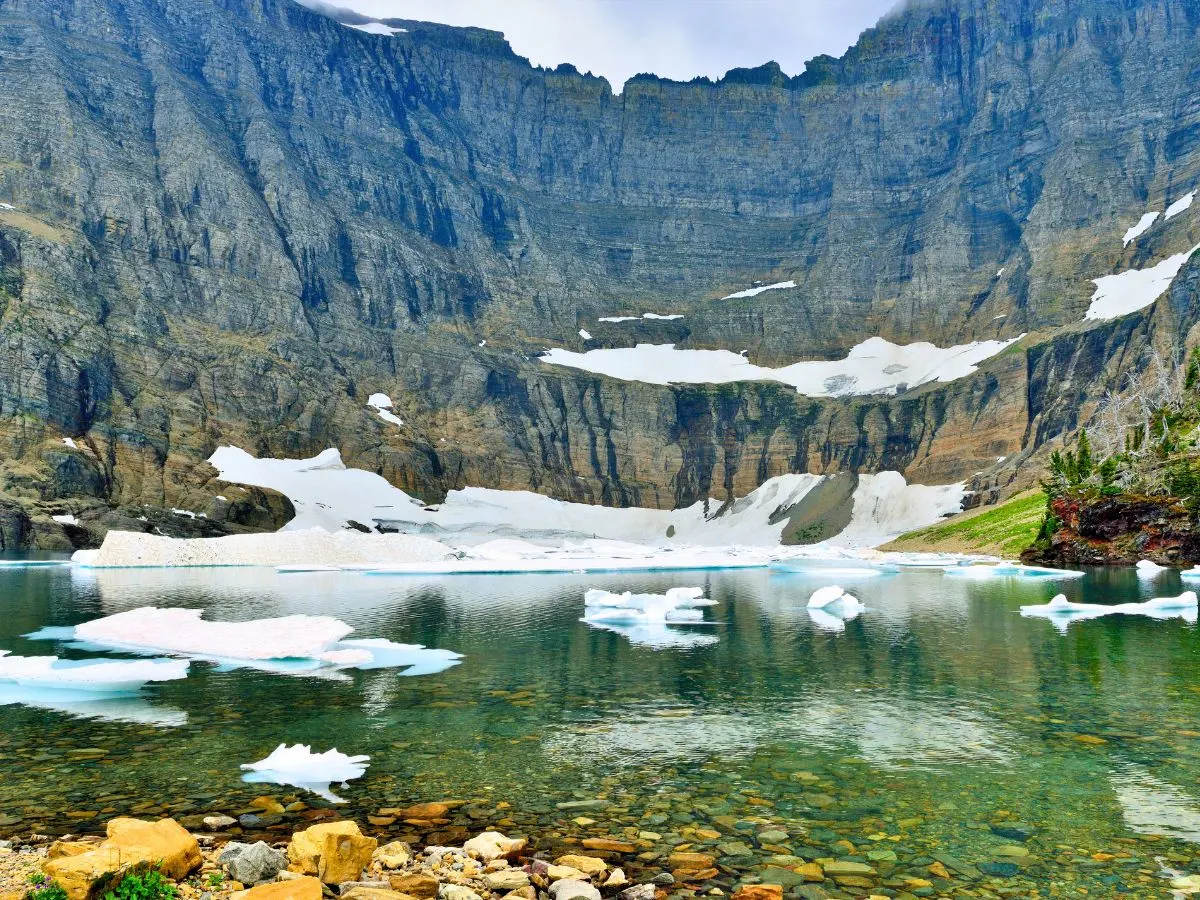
42	889
149	885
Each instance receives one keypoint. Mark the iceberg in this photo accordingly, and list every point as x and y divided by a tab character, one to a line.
1148	569
830	608
1062	612
298	766
298	644
643	618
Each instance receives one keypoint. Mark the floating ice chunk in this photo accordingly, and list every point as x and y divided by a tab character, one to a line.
94	676
586	335
1142	226
416	659
1148	569
755	291
1127	292
1180	205
382	404
1009	570
643	617
829	596
298	766
285	645
1062	612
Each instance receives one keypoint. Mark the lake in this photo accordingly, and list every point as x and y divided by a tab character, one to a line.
939	728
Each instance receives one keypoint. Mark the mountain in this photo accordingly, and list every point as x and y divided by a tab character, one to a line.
234	221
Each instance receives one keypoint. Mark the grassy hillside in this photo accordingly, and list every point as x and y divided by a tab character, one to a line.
1002	530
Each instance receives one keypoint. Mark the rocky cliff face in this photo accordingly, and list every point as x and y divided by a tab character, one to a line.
230	221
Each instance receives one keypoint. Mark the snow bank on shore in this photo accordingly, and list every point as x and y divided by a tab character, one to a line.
314	546
328	494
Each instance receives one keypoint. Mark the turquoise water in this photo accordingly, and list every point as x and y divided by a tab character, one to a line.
939	724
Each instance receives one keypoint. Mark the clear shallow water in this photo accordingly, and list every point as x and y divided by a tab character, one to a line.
940	718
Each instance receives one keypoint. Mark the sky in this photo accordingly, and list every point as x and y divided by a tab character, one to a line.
676	39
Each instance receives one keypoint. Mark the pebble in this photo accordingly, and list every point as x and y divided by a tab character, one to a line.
573	889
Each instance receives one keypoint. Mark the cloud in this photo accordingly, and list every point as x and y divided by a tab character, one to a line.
677	39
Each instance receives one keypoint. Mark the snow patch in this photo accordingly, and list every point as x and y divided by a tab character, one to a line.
653	316
7	207
70	442
382	404
377	28
876	366
65	520
287	645
325	493
1127	292
584	334
1142	226
755	291
298	766
1180	205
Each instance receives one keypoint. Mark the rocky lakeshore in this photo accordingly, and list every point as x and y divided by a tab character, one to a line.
229	858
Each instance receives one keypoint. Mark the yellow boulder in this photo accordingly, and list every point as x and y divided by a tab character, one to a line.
305	888
332	851
165	845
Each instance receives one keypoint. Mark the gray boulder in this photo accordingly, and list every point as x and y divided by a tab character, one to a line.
252	863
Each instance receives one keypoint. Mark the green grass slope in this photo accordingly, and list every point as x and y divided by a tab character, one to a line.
1002	530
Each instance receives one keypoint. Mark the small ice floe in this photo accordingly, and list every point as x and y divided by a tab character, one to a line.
298	766
830	608
643	618
1062	612
382	404
285	645
1149	569
1009	570
97	676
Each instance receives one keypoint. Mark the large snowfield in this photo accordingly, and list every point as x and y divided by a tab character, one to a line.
876	366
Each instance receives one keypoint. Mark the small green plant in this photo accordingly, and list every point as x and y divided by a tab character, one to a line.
40	888
215	880
148	885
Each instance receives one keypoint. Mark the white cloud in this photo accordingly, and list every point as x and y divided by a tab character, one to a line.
677	39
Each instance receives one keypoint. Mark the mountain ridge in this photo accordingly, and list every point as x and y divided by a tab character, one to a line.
232	222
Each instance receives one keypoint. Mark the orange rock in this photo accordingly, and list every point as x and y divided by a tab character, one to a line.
306	888
687	861
425	811
760	892
165	844
939	870
610	844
